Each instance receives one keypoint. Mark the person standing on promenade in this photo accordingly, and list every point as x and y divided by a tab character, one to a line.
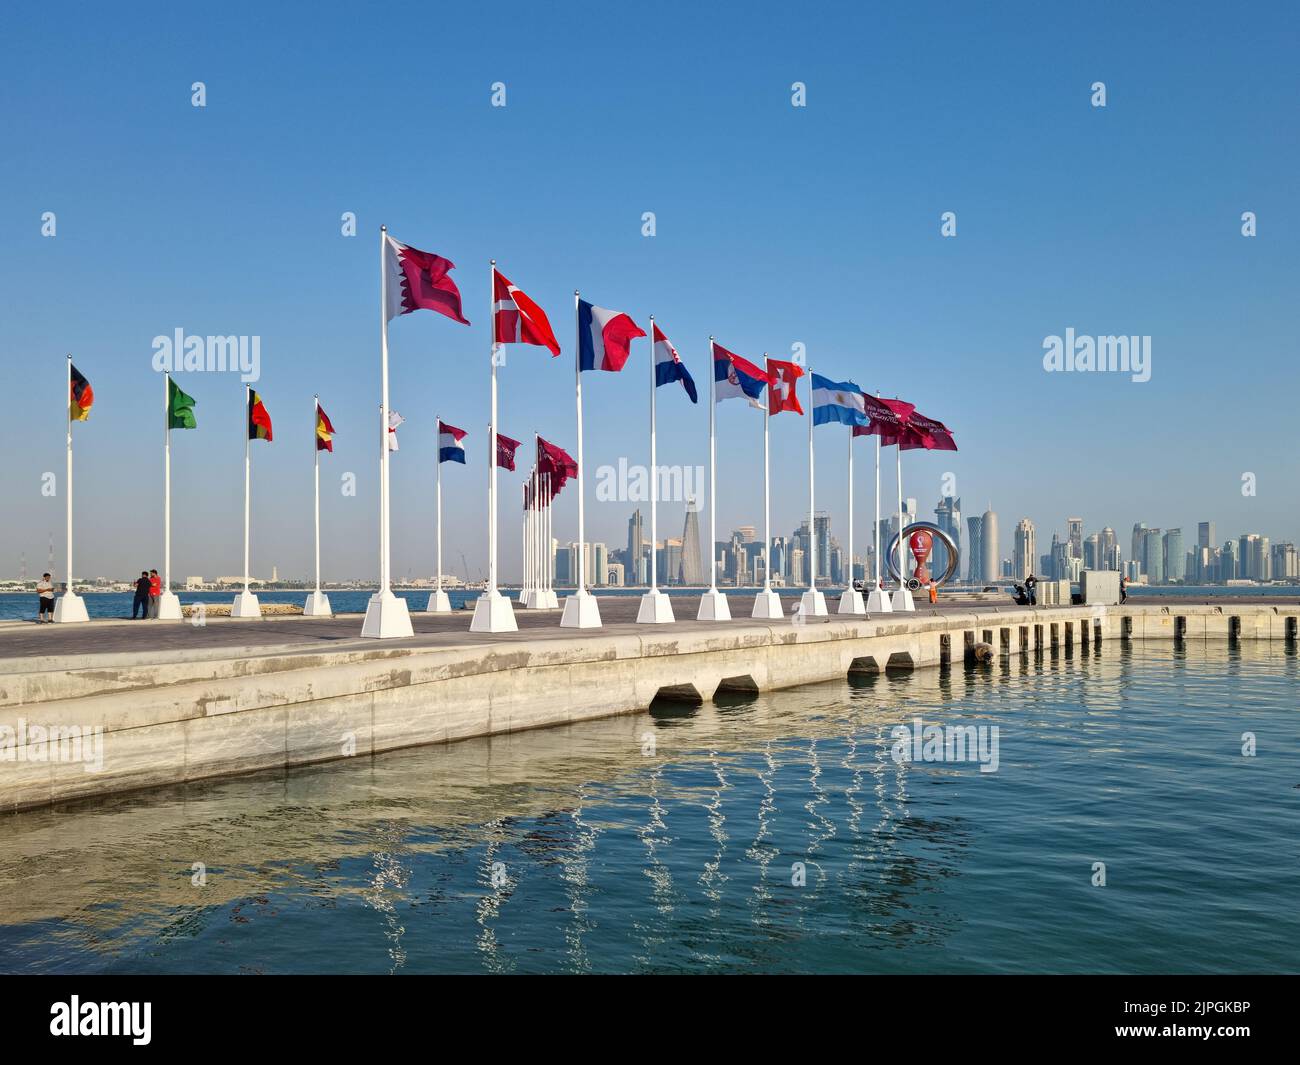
1031	582
45	592
141	601
155	592
1123	589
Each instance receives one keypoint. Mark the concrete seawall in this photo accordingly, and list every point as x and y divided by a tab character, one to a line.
183	715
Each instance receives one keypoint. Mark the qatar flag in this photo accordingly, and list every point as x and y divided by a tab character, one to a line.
604	337
419	280
516	319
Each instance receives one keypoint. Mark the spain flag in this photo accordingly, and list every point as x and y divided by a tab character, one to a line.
324	430
259	422
82	397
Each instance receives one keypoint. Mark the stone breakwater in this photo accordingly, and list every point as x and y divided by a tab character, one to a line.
167	717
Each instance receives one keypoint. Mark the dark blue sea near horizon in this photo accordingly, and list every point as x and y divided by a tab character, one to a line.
16	606
764	833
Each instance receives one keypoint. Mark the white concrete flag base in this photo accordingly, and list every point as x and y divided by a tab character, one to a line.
528	599
902	600
878	602
767	604
317	606
714	606
493	612
545	599
580	611
655	609
812	604
851	602
439	603
245	606
387	618
70	607
169	607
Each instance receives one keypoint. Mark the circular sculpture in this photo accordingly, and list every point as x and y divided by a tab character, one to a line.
920	541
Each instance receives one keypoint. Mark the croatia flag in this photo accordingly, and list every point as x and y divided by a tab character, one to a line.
837	401
604	337
516	319
419	280
669	366
450	448
734	376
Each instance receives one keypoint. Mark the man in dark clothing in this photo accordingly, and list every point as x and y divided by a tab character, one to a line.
141	601
1031	582
1123	589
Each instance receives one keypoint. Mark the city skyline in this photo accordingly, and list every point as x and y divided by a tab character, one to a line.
776	259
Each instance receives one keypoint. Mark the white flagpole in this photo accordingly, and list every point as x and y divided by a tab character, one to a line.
492	611
655	609
713	603
245	604
315	450
851	601
386	614
813	603
767	604
69	606
167	484
877	601
437	493
902	597
580	609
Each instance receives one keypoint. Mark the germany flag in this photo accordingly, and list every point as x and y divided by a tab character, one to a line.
82	397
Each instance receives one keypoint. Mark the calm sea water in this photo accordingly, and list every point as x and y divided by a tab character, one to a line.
19	605
671	841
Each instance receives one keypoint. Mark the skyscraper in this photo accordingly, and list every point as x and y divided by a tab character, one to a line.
975	550
1075	530
990	567
1139	529
1151	555
692	571
1109	555
1175	560
947	515
1024	550
635	541
1205	534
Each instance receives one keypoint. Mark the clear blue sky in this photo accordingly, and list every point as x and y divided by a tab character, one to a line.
776	225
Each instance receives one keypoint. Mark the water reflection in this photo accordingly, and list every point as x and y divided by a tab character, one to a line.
586	849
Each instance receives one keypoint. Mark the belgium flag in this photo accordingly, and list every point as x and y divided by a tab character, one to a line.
82	397
259	422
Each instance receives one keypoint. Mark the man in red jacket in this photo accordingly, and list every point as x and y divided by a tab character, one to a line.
155	592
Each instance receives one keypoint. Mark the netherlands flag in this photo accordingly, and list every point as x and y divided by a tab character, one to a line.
734	376
669	366
450	448
604	337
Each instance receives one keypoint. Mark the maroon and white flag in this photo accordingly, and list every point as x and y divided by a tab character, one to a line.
928	433
506	449
889	419
420	280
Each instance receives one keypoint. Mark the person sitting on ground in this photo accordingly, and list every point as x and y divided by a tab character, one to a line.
141	602
45	592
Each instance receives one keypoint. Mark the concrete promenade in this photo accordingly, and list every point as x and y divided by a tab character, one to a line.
178	702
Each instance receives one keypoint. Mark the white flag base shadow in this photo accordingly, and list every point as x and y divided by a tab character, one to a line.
70	607
169	607
493	612
580	612
245	606
878	602
714	606
902	600
317	606
439	603
812	605
851	602
387	618
767	604
655	609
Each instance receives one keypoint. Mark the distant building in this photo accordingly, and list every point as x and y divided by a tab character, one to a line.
1074	536
990	568
1023	550
947	515
975	550
1205	534
1174	560
1151	556
692	565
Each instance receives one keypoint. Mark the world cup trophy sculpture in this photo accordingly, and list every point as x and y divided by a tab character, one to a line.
921	544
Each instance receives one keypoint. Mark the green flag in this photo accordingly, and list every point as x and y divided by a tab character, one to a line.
180	408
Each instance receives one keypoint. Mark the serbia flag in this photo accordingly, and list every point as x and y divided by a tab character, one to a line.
604	337
734	376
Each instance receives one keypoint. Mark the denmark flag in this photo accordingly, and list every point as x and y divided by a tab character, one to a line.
516	319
